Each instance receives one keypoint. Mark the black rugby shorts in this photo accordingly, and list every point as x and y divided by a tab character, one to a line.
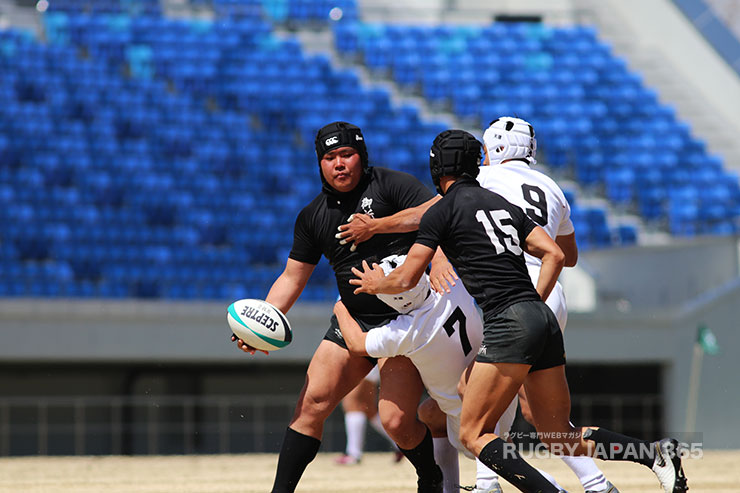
526	332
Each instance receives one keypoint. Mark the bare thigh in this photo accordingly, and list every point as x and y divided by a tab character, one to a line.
400	392
332	373
489	391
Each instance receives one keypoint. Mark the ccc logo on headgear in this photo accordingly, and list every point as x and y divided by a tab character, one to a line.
332	140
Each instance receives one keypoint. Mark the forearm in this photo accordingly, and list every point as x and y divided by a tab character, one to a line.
289	285
283	294
353	335
400	222
567	244
549	272
403	221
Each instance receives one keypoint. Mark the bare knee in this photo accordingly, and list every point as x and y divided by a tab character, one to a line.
402	427
469	438
431	415
314	407
395	422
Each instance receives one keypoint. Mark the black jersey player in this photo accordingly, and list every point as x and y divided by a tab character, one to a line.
484	237
349	186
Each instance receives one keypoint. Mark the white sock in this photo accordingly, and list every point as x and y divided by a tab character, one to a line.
549	477
378	426
485	478
354	426
588	474
445	455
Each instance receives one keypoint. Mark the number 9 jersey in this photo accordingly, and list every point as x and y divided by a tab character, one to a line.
535	193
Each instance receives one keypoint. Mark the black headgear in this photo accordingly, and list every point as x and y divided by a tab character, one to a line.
340	134
454	153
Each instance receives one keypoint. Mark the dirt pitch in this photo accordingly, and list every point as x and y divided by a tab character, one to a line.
716	472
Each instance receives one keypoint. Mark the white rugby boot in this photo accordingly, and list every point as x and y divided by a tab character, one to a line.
667	466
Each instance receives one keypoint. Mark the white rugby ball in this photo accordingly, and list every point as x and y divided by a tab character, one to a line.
259	324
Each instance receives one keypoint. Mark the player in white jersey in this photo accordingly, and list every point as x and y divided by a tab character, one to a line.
510	148
439	333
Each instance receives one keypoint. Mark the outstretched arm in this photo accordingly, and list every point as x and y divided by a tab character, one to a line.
361	227
351	331
288	287
403	278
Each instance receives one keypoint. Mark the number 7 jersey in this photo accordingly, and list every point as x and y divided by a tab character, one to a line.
535	193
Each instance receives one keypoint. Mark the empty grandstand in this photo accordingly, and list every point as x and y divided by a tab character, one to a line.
154	156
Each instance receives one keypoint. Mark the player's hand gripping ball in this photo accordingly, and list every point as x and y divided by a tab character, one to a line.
259	324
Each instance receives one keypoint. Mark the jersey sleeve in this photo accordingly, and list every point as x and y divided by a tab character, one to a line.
386	341
406	190
566	224
305	249
433	226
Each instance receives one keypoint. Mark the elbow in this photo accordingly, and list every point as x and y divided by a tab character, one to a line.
558	258
404	284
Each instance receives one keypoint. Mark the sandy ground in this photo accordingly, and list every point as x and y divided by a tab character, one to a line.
716	471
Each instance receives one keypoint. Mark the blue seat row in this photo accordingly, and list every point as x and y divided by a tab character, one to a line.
178	173
591	112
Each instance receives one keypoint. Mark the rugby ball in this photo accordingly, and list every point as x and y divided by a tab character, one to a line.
259	324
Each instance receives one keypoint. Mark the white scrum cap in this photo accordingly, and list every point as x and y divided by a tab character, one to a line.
408	300
510	138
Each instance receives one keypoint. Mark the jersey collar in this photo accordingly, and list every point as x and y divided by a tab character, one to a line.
515	163
462	182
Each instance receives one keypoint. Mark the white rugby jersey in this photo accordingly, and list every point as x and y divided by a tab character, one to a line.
534	192
441	338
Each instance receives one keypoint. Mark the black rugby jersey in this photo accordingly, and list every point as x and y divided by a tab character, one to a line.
382	192
482	235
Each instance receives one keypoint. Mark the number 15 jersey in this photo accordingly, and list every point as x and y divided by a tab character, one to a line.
482	235
535	193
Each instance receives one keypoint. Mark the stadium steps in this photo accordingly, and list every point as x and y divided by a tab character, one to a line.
322	41
317	41
659	73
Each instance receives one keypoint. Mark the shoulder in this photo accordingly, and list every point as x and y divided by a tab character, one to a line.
444	204
311	209
391	175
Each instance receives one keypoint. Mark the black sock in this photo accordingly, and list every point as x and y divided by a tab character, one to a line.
613	446
505	460
297	452
422	457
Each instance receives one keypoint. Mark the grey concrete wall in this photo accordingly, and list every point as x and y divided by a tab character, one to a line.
139	332
671	290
